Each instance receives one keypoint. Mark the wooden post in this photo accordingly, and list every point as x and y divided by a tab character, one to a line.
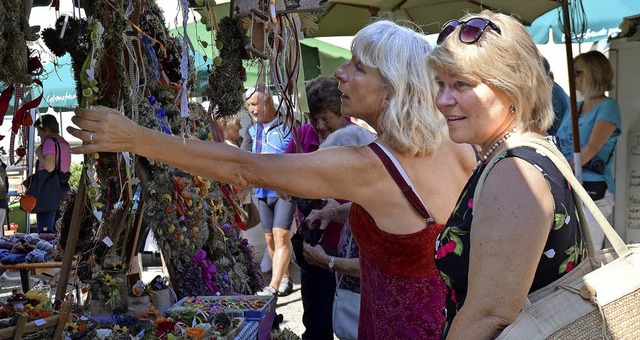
72	239
132	235
22	321
62	320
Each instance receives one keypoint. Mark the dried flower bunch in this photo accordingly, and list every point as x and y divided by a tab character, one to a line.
15	32
227	79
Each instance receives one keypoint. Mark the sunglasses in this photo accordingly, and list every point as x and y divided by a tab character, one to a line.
577	72
470	30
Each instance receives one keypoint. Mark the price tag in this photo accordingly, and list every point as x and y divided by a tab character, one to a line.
107	241
39	322
19	306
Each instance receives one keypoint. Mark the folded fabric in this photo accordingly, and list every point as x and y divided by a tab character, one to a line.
4	252
22	248
21	237
14	258
44	245
6	245
38	256
47	236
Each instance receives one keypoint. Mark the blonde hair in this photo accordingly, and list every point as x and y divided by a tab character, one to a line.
598	73
411	122
509	61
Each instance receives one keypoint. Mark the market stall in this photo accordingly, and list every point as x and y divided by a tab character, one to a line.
123	57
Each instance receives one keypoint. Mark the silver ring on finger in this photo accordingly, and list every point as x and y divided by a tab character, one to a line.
91	137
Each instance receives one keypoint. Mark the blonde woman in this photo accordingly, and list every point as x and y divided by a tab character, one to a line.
522	233
599	126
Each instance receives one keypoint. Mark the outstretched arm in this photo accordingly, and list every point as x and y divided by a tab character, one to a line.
321	174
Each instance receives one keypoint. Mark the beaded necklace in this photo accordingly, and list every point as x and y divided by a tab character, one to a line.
494	147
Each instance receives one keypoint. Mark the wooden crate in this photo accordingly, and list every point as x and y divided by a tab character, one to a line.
25	327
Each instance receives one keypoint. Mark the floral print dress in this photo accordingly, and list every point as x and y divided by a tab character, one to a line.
562	252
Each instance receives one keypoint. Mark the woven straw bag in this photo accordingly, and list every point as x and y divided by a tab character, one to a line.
600	297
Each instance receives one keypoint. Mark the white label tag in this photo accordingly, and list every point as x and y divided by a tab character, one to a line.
84	318
39	322
107	241
19	306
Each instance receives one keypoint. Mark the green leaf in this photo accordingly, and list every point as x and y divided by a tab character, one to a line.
444	233
446	279
205	58
563	266
204	43
219	45
571	250
459	231
558	221
458	241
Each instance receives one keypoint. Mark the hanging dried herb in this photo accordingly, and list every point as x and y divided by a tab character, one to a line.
227	79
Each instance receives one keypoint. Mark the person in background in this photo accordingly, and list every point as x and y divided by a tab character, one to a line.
247	145
559	100
318	284
247	142
272	135
386	83
599	127
345	265
49	132
4	191
496	250
230	127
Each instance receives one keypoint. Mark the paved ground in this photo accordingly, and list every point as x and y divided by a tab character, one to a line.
289	306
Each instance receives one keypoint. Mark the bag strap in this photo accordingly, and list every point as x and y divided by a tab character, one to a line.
341	275
397	173
58	154
581	197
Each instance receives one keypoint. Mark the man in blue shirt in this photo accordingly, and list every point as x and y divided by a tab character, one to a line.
271	134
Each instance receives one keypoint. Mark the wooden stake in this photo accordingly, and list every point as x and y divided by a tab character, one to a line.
72	239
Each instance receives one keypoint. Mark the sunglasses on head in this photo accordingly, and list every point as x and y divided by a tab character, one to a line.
470	30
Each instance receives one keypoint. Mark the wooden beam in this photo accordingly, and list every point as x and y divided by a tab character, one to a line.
62	320
132	236
72	239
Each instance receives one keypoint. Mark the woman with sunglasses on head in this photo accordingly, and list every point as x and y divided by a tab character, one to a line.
493	87
386	83
599	128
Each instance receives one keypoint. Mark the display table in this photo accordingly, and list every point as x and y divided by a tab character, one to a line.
24	269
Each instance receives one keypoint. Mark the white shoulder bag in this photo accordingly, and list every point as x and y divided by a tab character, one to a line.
597	299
